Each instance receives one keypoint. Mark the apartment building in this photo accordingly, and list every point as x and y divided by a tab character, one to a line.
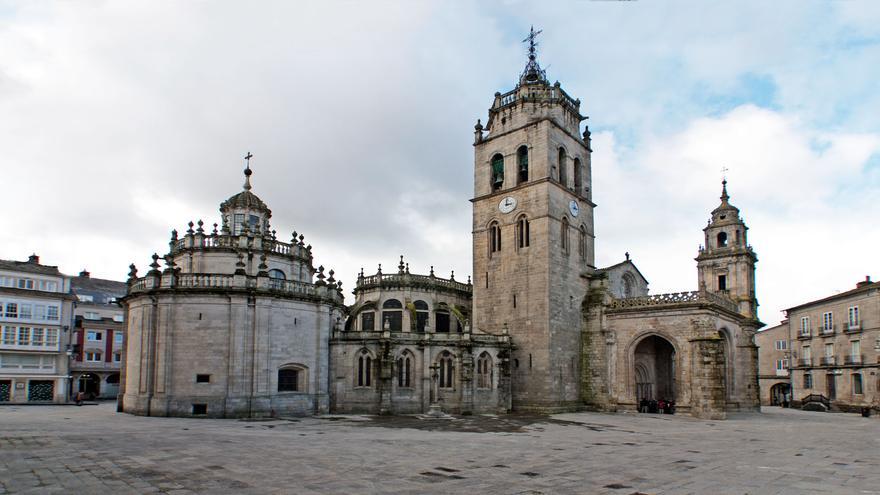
774	363
835	349
36	313
98	337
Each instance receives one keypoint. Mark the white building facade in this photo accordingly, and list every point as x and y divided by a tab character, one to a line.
36	310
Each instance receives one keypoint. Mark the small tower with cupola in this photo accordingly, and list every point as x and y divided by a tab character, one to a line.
726	263
533	234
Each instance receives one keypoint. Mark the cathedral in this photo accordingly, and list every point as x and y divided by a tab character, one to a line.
241	324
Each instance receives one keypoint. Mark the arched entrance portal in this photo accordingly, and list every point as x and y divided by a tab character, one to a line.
779	394
90	385
655	369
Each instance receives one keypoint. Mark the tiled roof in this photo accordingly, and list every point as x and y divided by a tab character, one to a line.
101	290
864	288
29	267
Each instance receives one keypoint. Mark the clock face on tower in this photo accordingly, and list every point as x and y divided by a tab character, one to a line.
574	208
507	204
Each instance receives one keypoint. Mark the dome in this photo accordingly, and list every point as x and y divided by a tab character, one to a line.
245	199
725	211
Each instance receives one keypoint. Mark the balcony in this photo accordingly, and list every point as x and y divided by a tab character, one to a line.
804	362
827	361
852	327
826	330
805	334
854	359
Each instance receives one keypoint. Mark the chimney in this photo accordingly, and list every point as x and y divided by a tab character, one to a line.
865	282
34	259
84	274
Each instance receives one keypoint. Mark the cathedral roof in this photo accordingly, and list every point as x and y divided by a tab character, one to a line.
725	206
245	199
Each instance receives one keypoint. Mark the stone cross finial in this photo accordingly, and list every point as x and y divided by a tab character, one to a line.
247	171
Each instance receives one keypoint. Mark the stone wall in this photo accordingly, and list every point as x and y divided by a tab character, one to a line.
239	340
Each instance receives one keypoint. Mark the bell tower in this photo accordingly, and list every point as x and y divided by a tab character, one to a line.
726	263
533	234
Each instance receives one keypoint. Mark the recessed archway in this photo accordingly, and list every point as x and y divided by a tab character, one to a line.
654	362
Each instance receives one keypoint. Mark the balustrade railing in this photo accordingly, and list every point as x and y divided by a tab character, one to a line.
411	279
551	93
186	281
853	359
673	298
234	241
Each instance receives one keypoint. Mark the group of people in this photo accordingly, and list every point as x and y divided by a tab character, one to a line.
661	406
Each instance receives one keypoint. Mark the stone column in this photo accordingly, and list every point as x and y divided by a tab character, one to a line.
707	378
596	345
466	375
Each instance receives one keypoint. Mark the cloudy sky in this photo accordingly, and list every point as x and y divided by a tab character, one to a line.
122	120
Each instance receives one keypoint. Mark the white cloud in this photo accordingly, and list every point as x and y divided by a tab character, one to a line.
811	233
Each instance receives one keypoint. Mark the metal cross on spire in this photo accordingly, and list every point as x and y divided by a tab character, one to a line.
533	72
531	40
247	171
724	196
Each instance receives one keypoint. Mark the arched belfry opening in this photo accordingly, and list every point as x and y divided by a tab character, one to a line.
654	362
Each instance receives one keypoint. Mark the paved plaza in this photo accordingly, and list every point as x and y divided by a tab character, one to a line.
93	449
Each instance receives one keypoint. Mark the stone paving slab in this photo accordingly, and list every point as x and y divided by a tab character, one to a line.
96	450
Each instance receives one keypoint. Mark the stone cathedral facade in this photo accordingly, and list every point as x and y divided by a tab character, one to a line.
241	324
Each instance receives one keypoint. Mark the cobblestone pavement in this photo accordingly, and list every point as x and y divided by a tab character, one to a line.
92	449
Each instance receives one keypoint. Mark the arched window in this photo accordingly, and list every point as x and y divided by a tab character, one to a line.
441	319
577	176
364	369
276	279
497	172
722	239
738	238
404	369
291	378
628	285
562	170
522	162
445	370
494	237
421	315
582	242
392	315
484	371
564	235
522	232
368	321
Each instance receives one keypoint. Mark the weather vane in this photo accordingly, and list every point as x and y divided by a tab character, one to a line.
531	40
724	171
533	72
